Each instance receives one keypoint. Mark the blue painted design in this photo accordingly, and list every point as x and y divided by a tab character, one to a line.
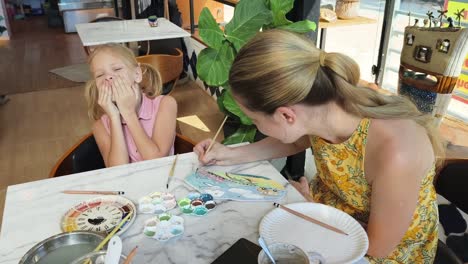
424	100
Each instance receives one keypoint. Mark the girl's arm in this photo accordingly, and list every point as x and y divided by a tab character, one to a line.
162	139
112	147
268	148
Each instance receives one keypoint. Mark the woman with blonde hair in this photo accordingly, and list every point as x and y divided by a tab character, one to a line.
375	154
133	121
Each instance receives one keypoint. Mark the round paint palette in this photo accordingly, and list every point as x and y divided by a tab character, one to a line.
164	226
156	203
100	215
197	204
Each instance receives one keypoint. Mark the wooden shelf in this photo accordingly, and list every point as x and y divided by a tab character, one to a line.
360	20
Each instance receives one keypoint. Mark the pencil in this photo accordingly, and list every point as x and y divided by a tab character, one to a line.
171	172
310	219
131	255
94	192
215	136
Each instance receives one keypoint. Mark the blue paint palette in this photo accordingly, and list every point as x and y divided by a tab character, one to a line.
197	204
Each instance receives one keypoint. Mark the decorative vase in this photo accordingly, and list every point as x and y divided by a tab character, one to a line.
347	9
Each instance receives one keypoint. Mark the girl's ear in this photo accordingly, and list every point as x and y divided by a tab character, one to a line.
138	74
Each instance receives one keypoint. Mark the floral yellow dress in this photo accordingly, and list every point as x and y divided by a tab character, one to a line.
341	183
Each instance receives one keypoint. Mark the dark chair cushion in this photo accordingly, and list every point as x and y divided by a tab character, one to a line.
451	219
452	184
459	245
87	157
445	255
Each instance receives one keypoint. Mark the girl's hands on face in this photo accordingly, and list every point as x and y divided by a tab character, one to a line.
125	95
105	100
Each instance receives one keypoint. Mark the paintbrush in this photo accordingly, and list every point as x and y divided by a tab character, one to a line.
310	219
215	136
131	255
171	172
111	234
94	192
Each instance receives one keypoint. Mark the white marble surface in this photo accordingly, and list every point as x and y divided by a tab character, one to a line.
127	31
33	211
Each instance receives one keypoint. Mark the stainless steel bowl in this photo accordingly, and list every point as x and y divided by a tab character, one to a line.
65	247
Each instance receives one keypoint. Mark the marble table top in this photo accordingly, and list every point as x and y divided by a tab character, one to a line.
127	31
33	211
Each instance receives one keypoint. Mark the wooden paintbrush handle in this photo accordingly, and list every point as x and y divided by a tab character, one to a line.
310	219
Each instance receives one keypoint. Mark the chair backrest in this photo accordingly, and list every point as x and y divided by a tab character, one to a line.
170	66
183	144
83	156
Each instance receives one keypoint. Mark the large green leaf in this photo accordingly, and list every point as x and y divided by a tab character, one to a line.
249	17
280	8
210	32
303	26
232	107
213	65
243	134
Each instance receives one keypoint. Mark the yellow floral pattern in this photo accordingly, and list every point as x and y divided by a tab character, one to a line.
341	183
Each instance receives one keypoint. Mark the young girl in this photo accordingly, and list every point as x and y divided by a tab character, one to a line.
375	154
133	121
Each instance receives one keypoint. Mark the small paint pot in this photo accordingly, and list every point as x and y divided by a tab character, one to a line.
197	202
176	230
210	205
156	200
184	202
187	209
206	197
200	210
193	195
168	197
159	209
176	220
164	217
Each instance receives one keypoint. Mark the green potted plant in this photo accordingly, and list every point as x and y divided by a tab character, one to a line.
214	62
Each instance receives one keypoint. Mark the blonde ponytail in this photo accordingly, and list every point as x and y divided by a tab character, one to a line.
278	68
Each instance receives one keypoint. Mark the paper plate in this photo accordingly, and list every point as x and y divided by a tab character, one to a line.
100	215
281	226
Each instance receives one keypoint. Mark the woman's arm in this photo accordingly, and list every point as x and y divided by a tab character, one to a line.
396	172
112	147
268	148
162	139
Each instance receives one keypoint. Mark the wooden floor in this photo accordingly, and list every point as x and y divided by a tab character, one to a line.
38	127
33	50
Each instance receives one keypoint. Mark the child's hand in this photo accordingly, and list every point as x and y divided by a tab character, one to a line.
125	95
105	101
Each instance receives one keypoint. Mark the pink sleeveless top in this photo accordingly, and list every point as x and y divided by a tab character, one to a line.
147	116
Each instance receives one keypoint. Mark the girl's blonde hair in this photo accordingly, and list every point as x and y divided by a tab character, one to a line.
279	68
151	84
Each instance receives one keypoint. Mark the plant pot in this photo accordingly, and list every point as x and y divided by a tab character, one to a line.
347	9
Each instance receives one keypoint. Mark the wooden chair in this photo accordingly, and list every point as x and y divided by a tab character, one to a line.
170	66
81	157
85	155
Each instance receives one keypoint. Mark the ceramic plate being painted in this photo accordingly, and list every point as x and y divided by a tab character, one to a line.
100	214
